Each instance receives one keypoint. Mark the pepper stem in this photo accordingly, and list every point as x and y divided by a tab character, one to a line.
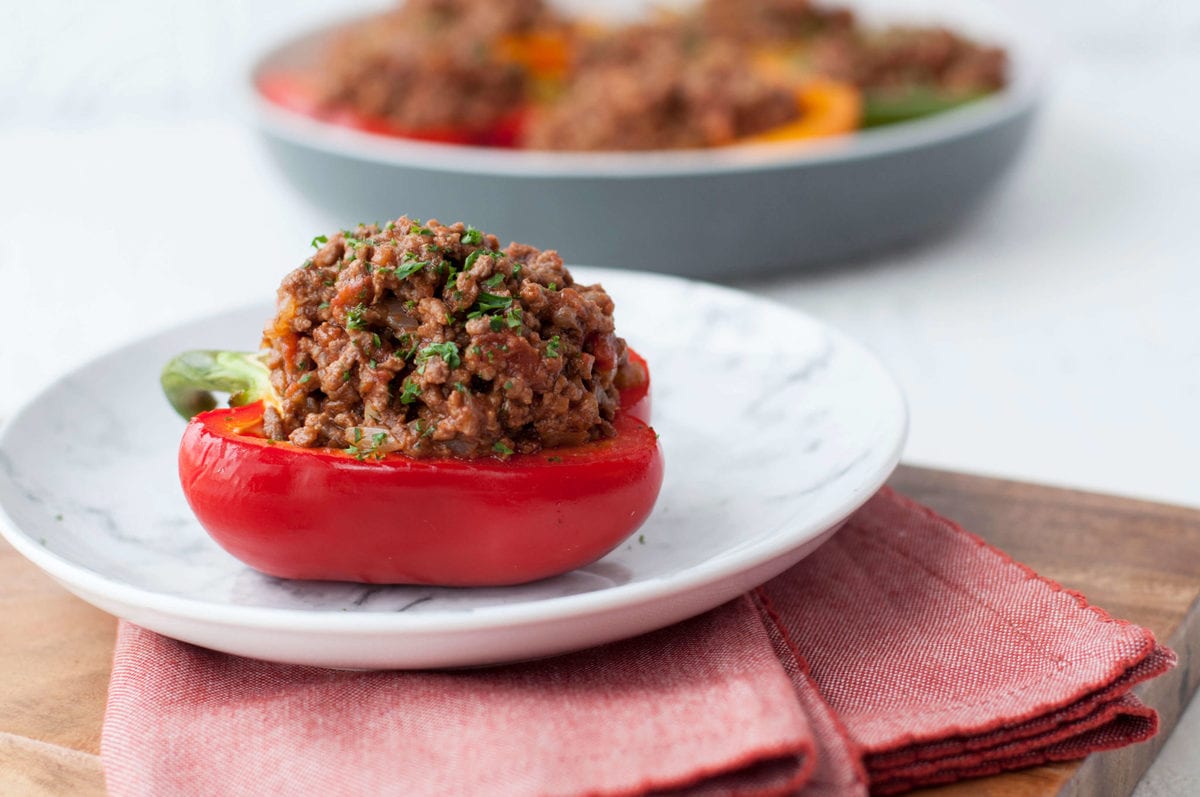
189	379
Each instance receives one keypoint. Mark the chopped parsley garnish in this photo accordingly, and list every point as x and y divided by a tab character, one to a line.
488	302
409	266
553	286
460	387
361	452
346	375
513	317
472	236
508	385
375	339
496	323
411	392
305	378
355	317
501	449
319	240
494	280
323	306
552	347
448	351
471	258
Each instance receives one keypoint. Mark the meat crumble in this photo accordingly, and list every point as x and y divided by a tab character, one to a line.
432	64
655	87
429	340
521	72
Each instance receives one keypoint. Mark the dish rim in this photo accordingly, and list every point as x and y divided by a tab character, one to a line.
1029	67
510	615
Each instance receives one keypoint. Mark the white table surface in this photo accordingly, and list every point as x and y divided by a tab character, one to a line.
1054	337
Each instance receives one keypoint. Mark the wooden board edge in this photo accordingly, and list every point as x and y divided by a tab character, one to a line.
1169	694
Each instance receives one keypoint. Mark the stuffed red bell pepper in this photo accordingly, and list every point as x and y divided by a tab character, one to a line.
426	409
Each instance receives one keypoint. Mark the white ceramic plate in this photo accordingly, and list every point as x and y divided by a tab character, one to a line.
774	427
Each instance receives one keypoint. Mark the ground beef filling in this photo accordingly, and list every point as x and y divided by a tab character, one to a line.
649	88
432	66
694	78
430	341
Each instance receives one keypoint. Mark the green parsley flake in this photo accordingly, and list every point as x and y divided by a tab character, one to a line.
411	393
488	302
494	280
355	317
502	449
319	240
361	452
409	266
305	378
448	351
552	347
472	237
471	258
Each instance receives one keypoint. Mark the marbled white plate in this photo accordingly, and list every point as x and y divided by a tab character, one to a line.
774	428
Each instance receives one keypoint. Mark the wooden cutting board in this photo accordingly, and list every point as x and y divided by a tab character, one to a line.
1138	560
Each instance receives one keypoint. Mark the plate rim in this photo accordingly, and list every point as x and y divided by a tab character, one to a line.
508	615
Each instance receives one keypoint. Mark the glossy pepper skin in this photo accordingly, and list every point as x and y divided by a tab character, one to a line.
323	514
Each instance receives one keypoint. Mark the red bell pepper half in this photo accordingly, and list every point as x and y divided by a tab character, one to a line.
323	514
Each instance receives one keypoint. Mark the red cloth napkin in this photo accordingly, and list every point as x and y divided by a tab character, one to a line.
904	652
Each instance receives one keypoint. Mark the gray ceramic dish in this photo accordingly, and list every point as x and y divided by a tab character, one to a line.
735	211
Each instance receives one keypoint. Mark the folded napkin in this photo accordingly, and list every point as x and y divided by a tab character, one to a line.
904	652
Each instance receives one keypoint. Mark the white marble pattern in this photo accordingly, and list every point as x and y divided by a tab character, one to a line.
774	429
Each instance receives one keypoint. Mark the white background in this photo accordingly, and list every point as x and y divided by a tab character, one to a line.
1054	337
